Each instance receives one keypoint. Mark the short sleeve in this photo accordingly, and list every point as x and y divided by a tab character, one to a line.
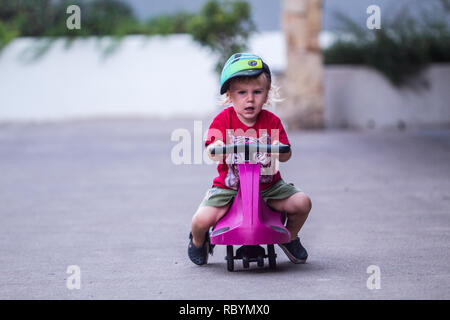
279	133
216	130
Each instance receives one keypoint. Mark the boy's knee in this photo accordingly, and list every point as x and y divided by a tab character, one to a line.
201	220
206	217
302	203
307	203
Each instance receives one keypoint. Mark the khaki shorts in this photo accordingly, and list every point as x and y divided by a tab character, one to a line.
218	197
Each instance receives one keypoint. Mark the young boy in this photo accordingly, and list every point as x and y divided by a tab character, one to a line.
246	81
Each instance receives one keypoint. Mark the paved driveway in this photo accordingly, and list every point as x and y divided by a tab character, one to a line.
105	196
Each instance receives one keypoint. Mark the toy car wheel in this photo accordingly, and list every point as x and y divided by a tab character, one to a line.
272	256
260	262
229	257
245	262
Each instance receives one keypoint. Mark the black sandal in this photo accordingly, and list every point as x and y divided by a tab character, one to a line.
199	255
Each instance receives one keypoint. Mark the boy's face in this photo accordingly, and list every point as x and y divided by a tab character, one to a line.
248	98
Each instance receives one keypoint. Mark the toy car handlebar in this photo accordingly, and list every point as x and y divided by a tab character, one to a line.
250	148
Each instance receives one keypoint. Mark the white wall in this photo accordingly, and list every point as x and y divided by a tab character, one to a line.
154	76
174	77
146	76
361	97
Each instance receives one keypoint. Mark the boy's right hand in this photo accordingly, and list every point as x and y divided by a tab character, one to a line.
215	157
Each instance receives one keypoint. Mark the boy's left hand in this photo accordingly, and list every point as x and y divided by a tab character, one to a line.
282	157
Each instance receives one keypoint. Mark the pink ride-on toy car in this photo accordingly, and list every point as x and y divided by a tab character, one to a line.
250	222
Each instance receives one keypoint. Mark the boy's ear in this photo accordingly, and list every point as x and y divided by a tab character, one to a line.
227	94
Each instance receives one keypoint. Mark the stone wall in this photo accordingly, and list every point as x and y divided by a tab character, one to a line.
302	82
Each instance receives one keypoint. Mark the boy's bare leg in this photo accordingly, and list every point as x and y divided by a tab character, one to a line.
297	208
203	219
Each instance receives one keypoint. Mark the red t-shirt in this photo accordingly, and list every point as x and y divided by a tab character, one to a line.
227	127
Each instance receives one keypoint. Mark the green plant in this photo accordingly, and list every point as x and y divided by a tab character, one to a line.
224	27
6	35
400	50
169	24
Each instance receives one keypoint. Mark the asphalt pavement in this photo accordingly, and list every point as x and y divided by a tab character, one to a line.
106	196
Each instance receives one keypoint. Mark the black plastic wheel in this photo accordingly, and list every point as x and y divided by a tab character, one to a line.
260	262
245	262
229	257
272	256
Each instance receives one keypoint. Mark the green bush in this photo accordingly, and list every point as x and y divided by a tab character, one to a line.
223	26
6	35
400	50
169	24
